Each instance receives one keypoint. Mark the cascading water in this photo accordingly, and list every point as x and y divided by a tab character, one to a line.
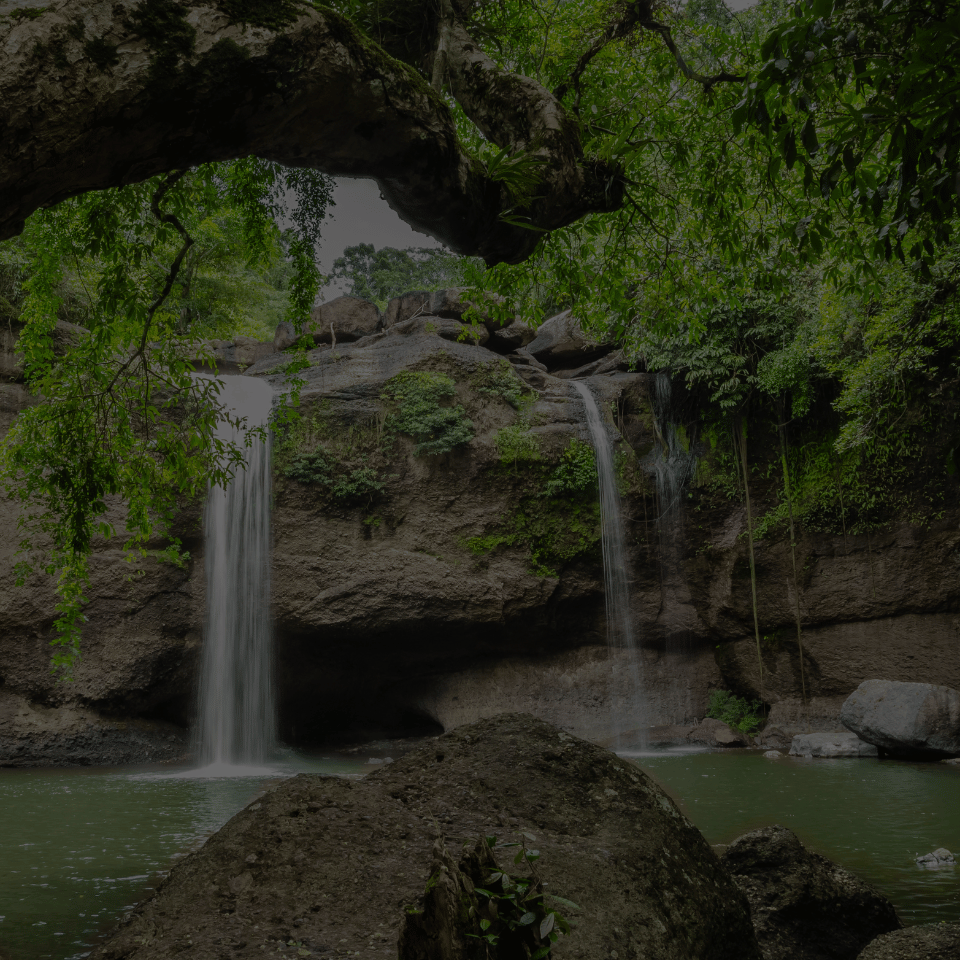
674	464
629	710
237	712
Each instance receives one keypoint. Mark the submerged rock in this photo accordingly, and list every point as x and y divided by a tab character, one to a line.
803	906
831	745
941	857
331	865
929	941
916	721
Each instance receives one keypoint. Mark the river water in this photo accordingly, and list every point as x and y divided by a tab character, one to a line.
80	847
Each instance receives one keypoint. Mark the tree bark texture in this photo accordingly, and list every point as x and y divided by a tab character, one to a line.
100	93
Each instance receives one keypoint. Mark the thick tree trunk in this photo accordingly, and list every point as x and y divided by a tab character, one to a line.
98	93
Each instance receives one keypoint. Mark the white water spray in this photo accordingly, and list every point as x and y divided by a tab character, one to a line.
237	710
629	716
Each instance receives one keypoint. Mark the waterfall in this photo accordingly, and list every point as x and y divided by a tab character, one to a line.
237	713
674	465
621	639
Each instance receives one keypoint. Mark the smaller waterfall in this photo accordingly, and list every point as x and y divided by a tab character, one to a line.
674	464
237	712
629	717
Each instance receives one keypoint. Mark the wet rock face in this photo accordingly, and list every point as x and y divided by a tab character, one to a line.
333	864
831	745
803	906
918	721
35	736
931	941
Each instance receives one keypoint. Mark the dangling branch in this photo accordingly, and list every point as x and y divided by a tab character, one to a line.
793	553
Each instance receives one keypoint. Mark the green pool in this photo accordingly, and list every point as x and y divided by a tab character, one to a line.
79	847
870	816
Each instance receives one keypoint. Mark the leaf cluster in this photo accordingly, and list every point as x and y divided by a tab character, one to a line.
417	400
736	712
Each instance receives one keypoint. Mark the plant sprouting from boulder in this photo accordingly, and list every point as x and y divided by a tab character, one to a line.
736	712
417	399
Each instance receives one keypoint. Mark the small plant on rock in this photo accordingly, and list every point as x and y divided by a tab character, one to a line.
417	398
346	486
575	473
734	711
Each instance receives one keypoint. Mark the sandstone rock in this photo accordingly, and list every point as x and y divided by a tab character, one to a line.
715	733
831	745
512	337
35	736
952	761
452	304
929	941
914	720
285	336
413	304
803	906
350	317
773	754
561	343
338	862
231	357
444	328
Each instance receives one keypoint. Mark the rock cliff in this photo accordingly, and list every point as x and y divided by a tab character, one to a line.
435	560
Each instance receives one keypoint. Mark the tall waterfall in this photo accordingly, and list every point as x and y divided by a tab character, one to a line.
674	465
237	712
627	697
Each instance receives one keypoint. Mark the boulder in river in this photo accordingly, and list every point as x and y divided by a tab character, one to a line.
803	906
929	941
940	857
330	866
912	721
831	745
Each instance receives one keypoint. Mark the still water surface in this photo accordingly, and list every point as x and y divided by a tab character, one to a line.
79	847
872	817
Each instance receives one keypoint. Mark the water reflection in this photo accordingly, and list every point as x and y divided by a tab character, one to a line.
80	847
873	818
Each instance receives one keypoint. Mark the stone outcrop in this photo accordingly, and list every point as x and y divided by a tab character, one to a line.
930	941
561	343
421	605
345	318
332	865
803	906
35	736
910	720
831	745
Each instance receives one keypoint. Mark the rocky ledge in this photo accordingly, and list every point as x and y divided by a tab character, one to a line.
328	867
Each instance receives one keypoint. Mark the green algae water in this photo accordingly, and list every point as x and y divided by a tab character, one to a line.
871	817
80	847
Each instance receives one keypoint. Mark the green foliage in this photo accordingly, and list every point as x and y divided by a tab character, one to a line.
576	473
415	399
512	911
380	275
345	486
735	711
557	519
863	98
499	379
119	415
516	443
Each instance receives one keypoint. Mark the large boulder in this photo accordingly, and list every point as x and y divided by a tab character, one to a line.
331	866
929	941
416	303
349	318
831	745
804	907
917	721
561	343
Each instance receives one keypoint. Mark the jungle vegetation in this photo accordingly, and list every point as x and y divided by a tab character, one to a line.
760	202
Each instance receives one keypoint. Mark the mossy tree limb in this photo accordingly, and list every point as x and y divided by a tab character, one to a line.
188	81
